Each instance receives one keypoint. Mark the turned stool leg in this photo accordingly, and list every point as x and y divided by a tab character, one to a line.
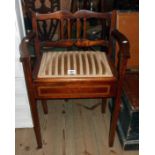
103	105
45	107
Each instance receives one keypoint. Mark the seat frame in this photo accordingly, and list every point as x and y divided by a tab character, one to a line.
74	87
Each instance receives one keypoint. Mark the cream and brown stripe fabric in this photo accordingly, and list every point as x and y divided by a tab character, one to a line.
75	64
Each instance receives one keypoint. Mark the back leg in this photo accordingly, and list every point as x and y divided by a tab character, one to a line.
45	107
103	105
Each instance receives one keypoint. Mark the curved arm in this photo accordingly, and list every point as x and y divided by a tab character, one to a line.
123	43
24	51
123	54
25	58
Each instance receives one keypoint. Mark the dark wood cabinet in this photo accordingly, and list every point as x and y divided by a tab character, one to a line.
128	23
126	4
128	124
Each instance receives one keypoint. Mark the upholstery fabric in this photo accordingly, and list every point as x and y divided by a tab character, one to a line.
74	64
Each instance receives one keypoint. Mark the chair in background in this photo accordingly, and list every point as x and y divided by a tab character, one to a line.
81	71
41	6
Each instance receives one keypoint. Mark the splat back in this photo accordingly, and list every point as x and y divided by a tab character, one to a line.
77	22
48	28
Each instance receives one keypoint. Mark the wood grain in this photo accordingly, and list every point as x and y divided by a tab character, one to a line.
74	87
86	131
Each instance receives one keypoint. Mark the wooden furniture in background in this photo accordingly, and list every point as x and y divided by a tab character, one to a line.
47	29
74	74
66	5
106	5
93	5
128	123
128	126
128	24
126	5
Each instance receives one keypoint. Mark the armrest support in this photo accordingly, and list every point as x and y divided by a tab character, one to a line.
123	43
123	54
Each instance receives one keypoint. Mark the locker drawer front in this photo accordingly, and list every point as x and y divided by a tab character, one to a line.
73	92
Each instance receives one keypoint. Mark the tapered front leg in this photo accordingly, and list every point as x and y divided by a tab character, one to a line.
114	120
28	68
35	117
45	107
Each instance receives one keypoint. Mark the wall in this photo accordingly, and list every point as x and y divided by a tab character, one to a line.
22	110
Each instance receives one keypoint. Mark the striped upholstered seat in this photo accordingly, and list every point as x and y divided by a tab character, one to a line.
75	64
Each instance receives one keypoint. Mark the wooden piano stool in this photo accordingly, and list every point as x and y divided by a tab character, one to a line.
81	73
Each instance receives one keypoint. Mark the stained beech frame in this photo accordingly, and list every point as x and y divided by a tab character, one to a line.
74	87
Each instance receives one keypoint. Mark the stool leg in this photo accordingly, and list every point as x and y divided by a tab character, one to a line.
35	118
103	105
114	120
32	101
45	107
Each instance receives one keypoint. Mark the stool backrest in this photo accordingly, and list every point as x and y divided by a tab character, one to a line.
80	22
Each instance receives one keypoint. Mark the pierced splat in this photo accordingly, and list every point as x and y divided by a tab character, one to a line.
48	28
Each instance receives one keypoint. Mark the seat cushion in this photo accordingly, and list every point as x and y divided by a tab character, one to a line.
74	64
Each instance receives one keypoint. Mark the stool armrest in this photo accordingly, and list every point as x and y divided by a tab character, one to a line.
24	51
25	57
123	53
123	43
